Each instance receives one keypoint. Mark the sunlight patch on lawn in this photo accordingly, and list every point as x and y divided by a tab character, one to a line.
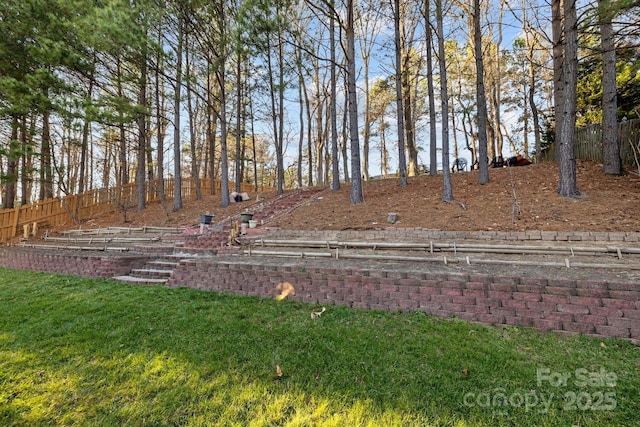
155	388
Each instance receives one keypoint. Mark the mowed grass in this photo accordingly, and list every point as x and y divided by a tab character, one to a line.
77	351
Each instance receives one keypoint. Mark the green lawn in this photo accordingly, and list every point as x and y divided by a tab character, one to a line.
76	351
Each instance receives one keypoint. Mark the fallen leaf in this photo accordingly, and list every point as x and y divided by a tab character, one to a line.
316	314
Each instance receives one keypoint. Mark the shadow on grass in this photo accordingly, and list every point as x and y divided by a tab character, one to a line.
75	351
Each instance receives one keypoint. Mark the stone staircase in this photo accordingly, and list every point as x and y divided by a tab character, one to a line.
155	271
212	239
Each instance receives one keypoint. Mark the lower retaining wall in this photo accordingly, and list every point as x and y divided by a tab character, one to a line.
566	306
599	308
85	265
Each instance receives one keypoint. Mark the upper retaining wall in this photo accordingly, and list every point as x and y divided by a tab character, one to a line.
423	234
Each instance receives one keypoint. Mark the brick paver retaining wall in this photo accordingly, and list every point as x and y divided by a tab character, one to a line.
565	306
423	234
601	308
77	264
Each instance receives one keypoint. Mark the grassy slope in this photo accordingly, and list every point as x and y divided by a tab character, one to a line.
93	352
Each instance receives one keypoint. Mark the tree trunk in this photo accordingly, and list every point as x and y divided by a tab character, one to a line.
611	161
320	138
46	175
481	101
26	160
470	140
307	106
243	137
433	153
447	191
253	147
12	167
224	155
452	110
402	162
239	160
357	195
276	117
366	131
532	103
85	140
335	168
281	89
567	186
491	137
409	127
558	61
123	167
141	187
384	153
301	88
498	86
211	129
162	128
407	110
345	138
177	162
195	170
525	121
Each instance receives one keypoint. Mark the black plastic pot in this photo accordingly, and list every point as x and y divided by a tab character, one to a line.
246	216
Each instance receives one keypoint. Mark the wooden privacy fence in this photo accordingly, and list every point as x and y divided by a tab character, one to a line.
589	142
79	207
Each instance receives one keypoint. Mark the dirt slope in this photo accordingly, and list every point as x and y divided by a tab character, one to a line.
517	198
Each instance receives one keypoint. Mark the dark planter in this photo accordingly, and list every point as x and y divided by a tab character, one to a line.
245	217
206	219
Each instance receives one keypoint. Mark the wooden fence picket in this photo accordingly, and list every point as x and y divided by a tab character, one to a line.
589	142
79	207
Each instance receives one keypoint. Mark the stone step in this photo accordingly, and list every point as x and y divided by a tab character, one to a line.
152	273
154	249
123	231
140	280
178	255
163	263
103	239
194	252
229	250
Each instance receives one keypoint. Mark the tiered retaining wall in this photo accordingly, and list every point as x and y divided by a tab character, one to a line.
596	307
